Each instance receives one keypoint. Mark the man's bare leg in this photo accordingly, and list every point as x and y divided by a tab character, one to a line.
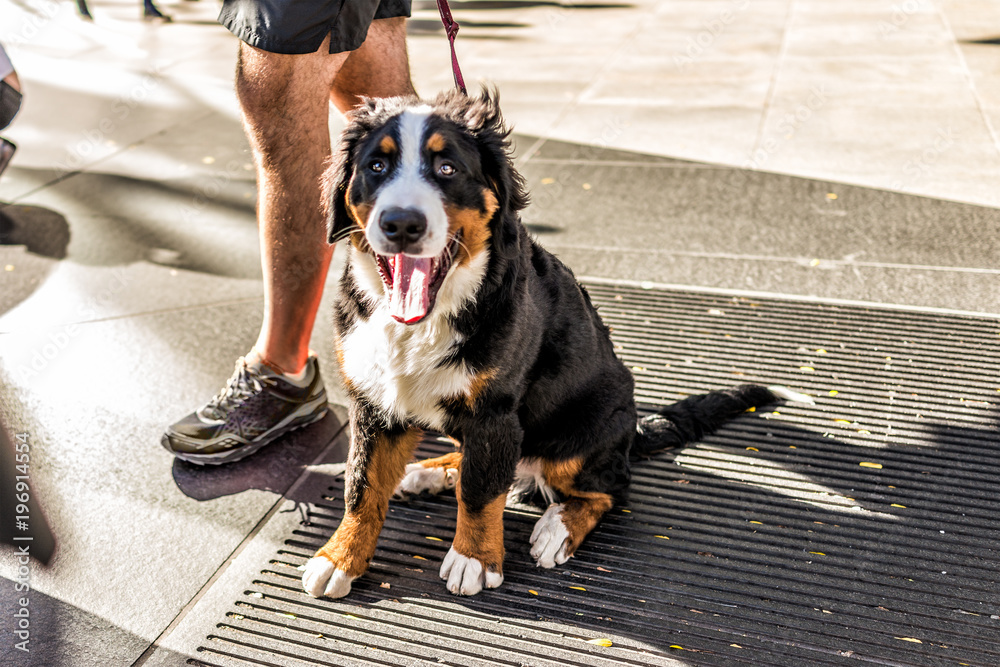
285	104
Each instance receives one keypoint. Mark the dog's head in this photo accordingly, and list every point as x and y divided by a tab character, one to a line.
425	190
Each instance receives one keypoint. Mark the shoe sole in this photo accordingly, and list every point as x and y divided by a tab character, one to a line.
253	446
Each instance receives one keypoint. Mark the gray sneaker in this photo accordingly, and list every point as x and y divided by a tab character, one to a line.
256	407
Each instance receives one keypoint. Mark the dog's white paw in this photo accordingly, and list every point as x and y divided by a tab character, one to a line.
419	479
322	578
550	539
466	576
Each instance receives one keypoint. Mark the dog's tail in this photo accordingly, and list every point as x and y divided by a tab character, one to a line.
697	416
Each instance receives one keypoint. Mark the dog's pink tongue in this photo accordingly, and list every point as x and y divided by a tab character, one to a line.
410	298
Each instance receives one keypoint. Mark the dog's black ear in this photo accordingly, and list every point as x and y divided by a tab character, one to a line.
336	179
481	115
484	119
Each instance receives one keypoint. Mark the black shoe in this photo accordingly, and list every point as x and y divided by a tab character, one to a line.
256	407
7	149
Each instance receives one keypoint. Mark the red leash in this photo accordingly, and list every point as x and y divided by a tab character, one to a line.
451	27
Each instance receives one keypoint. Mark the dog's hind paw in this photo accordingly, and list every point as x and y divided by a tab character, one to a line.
550	545
419	479
322	578
467	576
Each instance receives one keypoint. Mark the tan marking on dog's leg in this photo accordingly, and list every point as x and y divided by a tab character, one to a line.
480	534
451	460
561	475
564	526
353	545
475	559
581	515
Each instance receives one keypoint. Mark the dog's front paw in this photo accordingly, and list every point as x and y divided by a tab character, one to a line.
550	543
321	578
467	576
419	479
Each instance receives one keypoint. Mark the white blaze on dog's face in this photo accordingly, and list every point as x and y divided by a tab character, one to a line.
408	191
419	191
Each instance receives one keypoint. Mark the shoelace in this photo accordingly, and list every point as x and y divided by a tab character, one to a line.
241	386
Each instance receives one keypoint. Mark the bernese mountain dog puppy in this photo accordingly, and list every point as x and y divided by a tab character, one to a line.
452	318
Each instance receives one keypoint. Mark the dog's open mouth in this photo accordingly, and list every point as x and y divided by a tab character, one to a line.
413	282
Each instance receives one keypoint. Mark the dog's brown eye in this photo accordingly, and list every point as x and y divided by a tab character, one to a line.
377	166
446	169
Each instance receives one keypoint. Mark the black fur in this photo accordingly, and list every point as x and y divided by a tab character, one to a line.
558	391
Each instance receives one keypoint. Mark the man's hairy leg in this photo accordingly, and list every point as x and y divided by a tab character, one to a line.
285	105
378	68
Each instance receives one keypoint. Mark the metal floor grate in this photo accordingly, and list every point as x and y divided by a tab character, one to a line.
860	528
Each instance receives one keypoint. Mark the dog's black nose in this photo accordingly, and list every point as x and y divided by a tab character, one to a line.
402	225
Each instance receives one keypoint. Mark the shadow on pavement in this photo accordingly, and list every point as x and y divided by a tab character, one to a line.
274	468
41	231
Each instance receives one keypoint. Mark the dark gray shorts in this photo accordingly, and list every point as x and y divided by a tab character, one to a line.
300	26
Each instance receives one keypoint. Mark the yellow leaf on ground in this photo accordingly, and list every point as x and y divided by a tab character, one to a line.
600	642
869	464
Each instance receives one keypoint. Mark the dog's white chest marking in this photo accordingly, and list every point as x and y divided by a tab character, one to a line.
404	369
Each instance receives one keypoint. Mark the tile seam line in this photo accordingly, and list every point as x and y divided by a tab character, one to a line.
773	86
779	296
969	78
837	263
692	163
231	558
145	313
